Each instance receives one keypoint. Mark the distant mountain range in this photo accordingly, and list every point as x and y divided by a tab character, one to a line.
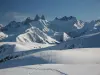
40	30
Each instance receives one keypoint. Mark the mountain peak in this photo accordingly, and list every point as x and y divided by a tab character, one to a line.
43	17
28	20
12	23
56	18
1	26
37	17
71	17
34	34
65	18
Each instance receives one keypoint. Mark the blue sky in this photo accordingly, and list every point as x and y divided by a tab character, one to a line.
20	9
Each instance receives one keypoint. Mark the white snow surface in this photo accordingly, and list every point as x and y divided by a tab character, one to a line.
3	35
41	24
35	35
54	69
61	36
86	41
53	55
49	60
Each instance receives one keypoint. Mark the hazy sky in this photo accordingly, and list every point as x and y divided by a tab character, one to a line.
20	9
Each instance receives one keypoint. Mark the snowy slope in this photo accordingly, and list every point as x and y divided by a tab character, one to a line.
49	55
3	36
61	36
14	29
63	25
11	47
56	62
92	27
86	41
35	35
20	27
41	24
64	62
52	69
74	27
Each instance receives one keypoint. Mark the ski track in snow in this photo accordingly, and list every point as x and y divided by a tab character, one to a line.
46	69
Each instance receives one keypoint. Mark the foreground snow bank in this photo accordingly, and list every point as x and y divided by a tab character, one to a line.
73	56
46	56
84	61
58	69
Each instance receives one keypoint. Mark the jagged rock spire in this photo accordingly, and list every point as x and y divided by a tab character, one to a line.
71	17
56	18
1	26
28	20
64	18
36	18
43	17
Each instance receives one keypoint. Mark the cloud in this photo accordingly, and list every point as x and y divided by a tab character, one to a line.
5	18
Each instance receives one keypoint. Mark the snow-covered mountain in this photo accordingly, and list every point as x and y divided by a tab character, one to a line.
20	27
3	36
70	25
74	27
1	26
15	29
86	41
64	24
35	35
61	36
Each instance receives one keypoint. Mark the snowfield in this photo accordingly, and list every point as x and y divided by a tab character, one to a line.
46	61
48	55
54	69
